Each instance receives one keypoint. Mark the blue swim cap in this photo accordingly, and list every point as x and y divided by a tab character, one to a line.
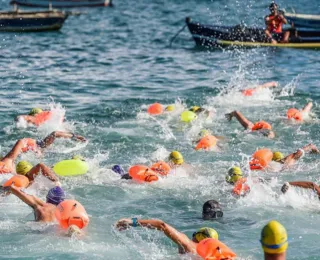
118	169
56	195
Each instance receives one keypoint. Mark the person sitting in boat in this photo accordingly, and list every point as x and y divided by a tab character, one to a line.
274	22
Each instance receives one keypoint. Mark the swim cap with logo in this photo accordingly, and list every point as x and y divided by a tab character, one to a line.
23	167
274	238
204	233
56	195
234	174
176	157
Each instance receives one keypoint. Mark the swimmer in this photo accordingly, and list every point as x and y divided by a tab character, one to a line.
201	111
301	184
261	127
295	114
274	241
185	244
43	211
251	91
211	209
36	116
7	163
259	163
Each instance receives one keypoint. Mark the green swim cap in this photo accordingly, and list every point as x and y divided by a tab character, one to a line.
176	157
35	111
204	233
277	156
23	167
170	108
274	238
78	157
234	174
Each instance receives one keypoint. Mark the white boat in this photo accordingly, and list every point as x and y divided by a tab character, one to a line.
303	20
62	3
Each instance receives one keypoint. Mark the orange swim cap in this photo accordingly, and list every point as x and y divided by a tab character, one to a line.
207	142
29	144
213	249
71	212
142	173
261	125
248	92
161	168
241	188
260	159
295	114
19	181
155	109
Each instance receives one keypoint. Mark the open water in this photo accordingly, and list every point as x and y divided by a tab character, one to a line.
103	69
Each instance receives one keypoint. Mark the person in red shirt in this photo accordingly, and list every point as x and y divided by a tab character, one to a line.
274	22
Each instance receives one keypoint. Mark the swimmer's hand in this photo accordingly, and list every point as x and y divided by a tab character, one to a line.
74	231
285	187
57	183
229	116
78	138
124	224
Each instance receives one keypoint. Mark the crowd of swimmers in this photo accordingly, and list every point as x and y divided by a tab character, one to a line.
71	215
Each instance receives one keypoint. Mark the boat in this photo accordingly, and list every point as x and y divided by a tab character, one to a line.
242	36
62	3
303	20
20	21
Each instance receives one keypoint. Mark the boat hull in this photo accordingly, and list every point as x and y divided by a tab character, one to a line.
31	21
61	3
304	21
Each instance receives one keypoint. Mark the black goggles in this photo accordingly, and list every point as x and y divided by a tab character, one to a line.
212	213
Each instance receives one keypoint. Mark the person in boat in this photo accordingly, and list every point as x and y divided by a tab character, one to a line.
7	163
250	91
261	127
301	184
185	244
36	116
274	22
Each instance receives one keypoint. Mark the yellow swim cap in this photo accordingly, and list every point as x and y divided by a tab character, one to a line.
176	157
23	167
234	174
170	108
78	157
35	111
194	109
274	239
204	233
277	156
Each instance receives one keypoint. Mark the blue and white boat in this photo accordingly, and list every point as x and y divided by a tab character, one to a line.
62	3
303	20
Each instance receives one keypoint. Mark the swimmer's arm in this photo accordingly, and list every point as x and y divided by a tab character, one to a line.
306	185
58	134
307	108
292	158
271	84
45	170
15	151
29	119
28	199
241	118
176	236
283	19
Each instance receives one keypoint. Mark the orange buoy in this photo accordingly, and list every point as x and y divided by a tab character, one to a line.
161	168
207	142
261	125
155	109
142	173
42	117
295	114
19	181
241	188
213	249
260	159
71	212
29	144
248	92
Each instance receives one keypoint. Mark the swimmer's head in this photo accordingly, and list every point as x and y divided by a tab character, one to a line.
35	111
211	209
56	195
23	167
118	169
78	157
274	239
176	158
170	108
277	156
204	233
204	132
234	174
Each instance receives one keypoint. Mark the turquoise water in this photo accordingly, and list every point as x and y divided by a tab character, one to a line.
103	69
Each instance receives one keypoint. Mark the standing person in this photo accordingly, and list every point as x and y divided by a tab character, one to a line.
274	241
274	22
